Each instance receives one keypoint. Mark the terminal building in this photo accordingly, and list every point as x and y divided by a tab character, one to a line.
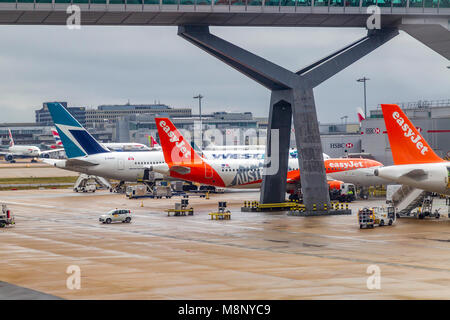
112	113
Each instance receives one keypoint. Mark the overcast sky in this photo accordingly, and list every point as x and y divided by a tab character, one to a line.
106	65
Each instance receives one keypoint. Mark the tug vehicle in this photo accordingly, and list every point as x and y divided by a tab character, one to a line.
6	217
377	216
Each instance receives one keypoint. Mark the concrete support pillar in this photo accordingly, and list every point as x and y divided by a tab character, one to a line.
273	187
310	159
292	94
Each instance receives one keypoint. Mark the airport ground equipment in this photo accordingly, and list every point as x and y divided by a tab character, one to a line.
344	192
377	216
292	98
222	212
181	209
84	180
6	216
87	187
295	208
405	199
116	215
142	191
426	209
163	191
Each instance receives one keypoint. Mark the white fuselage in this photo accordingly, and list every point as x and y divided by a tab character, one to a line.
130	166
433	177
24	151
126	146
362	177
242	172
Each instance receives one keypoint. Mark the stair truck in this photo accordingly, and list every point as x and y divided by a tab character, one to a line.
6	217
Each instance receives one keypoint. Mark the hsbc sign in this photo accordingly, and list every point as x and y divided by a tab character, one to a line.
373	130
348	145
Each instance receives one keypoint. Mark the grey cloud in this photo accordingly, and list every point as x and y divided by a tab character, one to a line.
97	65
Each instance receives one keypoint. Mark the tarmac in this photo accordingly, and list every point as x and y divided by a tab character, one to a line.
254	255
25	169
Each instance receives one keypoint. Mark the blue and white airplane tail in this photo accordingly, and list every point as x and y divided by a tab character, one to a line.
77	141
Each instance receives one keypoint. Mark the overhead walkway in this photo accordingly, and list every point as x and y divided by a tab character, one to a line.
328	13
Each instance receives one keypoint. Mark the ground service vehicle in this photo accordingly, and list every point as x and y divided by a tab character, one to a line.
6	217
116	215
343	192
88	187
380	216
138	191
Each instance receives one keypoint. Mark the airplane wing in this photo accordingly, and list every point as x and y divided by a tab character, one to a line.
70	162
51	151
417	174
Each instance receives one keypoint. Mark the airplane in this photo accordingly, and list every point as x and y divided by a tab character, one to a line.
21	151
86	155
415	162
182	162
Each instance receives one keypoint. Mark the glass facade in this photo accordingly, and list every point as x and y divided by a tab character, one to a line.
367	3
431	3
337	3
415	3
287	3
399	3
444	4
320	3
384	3
157	1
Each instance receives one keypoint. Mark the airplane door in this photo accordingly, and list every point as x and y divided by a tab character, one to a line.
208	171
120	164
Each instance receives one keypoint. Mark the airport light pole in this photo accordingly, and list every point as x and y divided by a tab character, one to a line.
364	79
200	97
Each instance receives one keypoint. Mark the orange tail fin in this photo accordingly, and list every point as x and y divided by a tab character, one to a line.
407	144
176	149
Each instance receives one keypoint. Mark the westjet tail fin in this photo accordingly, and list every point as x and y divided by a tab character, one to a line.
76	140
407	144
11	140
176	149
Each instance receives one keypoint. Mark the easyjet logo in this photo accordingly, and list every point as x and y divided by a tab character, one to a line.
347	165
409	133
174	138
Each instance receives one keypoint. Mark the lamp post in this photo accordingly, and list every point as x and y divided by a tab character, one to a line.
364	79
200	97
